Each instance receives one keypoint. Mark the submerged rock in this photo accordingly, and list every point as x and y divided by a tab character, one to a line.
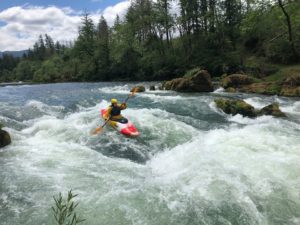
200	81
4	138
139	88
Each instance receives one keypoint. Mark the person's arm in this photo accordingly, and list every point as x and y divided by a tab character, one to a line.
123	106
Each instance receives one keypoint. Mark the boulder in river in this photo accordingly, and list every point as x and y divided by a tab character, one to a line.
200	81
234	107
152	88
272	110
4	138
139	88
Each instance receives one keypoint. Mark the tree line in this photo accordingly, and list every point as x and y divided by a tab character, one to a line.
154	42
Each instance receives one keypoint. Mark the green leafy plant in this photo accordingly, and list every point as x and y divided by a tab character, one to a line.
64	210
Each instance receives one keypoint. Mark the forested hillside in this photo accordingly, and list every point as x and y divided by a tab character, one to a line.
155	42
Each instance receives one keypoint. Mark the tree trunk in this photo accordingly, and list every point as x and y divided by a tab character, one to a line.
288	20
212	5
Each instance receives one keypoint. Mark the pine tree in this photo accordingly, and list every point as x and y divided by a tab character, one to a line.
102	54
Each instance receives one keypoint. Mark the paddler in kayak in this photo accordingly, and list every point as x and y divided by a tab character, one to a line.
114	111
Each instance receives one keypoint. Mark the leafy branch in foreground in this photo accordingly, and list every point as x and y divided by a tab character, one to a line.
64	210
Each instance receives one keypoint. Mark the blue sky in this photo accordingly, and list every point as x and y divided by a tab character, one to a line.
90	5
21	22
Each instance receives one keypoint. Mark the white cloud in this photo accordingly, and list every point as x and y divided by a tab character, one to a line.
111	12
23	24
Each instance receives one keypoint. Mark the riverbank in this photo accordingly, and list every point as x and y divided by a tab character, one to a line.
284	82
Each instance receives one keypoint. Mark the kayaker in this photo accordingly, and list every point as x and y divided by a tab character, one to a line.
114	111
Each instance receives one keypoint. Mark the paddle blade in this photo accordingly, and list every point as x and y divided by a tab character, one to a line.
97	130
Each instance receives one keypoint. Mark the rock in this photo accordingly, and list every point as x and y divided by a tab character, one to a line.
4	138
139	88
234	107
230	90
236	80
200	81
152	88
272	110
291	86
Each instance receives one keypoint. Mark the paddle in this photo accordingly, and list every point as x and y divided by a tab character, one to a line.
100	128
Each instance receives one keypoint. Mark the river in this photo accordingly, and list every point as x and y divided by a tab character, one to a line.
192	164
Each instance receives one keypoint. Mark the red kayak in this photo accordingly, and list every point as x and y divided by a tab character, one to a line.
124	126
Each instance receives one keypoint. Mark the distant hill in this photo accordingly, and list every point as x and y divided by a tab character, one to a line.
14	53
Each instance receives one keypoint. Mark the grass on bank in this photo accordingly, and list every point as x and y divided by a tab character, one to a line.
284	72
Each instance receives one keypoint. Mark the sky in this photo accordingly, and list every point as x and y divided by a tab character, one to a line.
21	22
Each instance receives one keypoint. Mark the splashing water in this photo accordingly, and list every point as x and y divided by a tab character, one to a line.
192	164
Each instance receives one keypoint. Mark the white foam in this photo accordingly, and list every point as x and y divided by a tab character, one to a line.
219	90
159	98
246	120
293	108
257	102
44	108
244	162
125	89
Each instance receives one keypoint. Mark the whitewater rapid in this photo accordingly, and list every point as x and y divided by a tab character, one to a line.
192	164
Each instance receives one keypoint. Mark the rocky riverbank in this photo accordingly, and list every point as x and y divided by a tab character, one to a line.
289	86
286	82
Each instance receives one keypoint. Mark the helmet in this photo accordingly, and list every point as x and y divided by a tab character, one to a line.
113	100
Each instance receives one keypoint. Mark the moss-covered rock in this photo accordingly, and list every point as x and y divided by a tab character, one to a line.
234	107
4	138
236	80
272	110
199	81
